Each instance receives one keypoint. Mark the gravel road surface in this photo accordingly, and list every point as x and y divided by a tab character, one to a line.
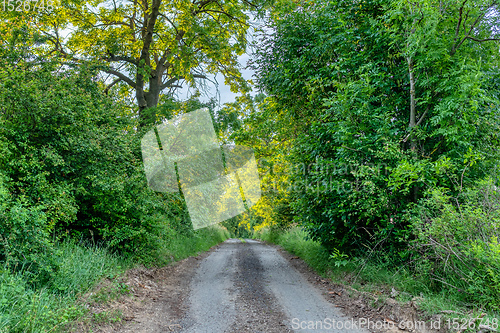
247	286
238	286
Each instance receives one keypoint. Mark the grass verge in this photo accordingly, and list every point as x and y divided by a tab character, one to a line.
53	305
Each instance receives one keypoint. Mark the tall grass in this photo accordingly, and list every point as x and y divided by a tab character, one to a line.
202	240
25	307
295	241
48	306
354	271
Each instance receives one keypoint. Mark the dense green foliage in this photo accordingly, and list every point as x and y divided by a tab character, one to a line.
340	74
389	122
376	275
148	47
57	304
25	308
71	171
456	243
70	166
377	129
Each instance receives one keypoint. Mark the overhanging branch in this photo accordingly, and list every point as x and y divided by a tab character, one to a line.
170	82
483	40
113	58
111	85
121	76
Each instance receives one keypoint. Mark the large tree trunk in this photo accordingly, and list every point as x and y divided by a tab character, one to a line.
148	99
147	69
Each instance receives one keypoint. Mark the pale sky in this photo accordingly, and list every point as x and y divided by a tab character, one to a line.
224	95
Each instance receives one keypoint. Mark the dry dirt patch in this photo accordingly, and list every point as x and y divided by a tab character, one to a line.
155	302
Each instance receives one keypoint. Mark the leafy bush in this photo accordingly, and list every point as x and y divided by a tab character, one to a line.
72	166
28	307
457	242
24	238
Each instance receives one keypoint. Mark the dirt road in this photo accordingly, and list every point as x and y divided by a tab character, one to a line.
240	286
249	287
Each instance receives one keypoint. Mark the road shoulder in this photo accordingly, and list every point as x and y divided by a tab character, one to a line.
156	301
391	315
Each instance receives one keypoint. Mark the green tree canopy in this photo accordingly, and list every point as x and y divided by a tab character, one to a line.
385	101
150	46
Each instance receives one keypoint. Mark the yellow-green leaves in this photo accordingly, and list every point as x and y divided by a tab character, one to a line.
151	45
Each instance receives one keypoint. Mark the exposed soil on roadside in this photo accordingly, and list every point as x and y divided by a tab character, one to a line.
156	301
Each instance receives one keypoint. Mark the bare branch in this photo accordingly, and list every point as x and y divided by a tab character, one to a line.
202	4
111	85
468	33
224	13
121	76
107	24
418	123
169	83
460	13
113	58
483	40
422	118
200	76
470	30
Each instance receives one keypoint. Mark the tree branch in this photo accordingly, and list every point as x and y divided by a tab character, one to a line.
467	35
201	5
107	24
121	76
200	76
460	12
169	21
483	40
171	81
111	85
418	123
224	13
113	58
148	38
